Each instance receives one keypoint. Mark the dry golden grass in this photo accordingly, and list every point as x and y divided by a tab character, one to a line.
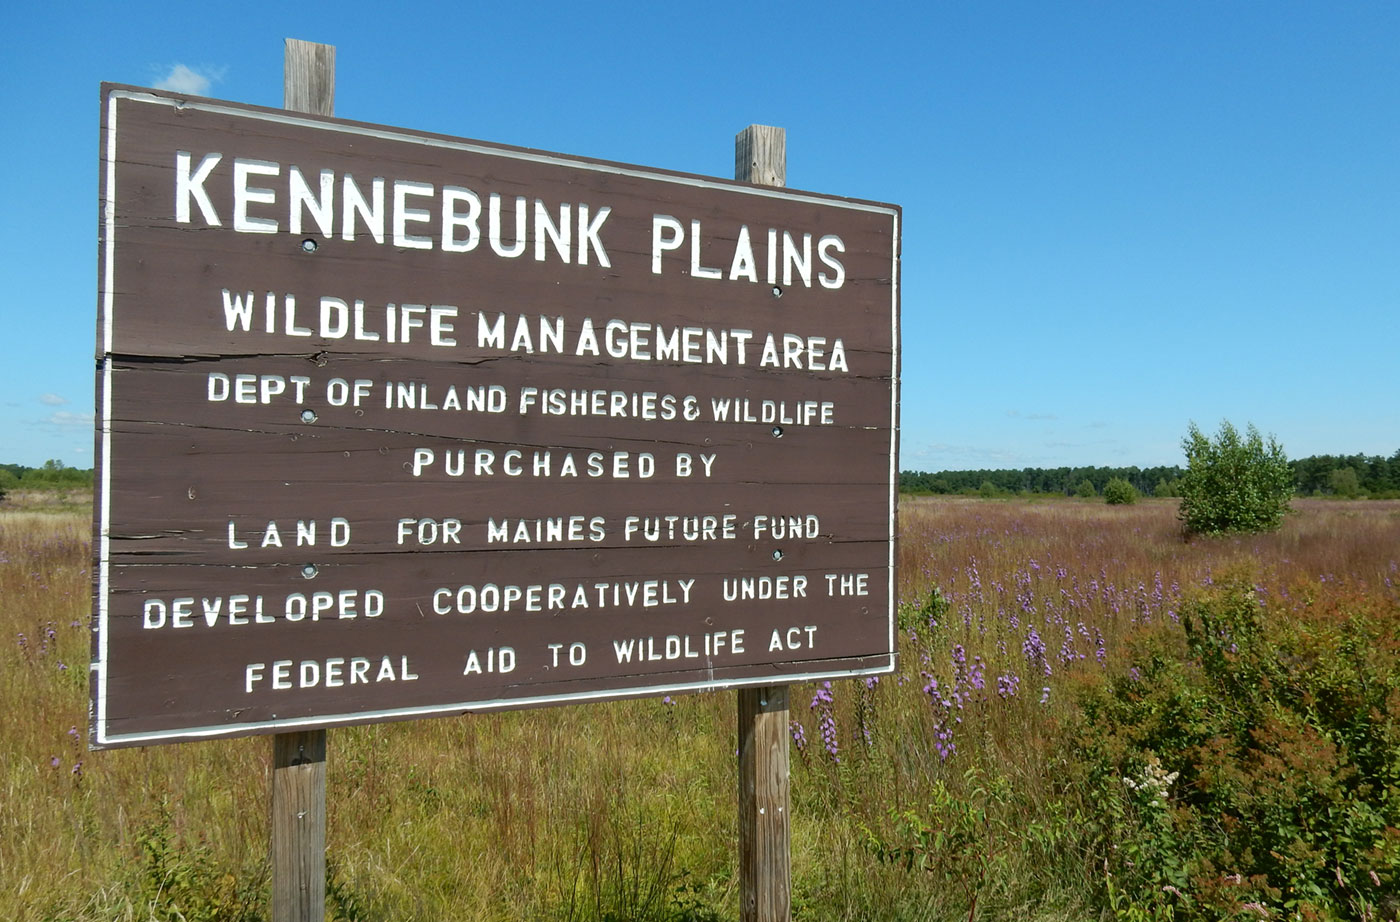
1320	537
629	807
487	817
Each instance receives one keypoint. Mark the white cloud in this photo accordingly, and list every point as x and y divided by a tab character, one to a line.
183	79
1092	443
943	455
52	400
67	419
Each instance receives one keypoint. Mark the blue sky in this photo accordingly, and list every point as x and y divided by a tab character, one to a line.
1118	217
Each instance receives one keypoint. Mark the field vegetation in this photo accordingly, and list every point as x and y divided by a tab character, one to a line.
52	487
1092	719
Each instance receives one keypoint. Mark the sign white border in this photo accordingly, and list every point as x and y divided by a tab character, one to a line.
101	733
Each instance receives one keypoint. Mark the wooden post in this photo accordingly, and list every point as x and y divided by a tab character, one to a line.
765	889
308	77
298	846
760	155
299	826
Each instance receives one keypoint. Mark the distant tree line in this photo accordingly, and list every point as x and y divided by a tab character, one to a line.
1065	481
52	475
1375	476
1348	475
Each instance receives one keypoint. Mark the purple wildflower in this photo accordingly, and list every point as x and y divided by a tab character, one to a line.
1068	654
976	676
943	710
1033	648
822	703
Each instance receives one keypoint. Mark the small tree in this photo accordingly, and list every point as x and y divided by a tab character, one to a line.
1233	483
1118	492
1086	490
1344	482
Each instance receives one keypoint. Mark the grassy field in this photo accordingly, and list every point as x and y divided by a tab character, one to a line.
1056	665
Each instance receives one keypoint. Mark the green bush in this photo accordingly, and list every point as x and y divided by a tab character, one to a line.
1233	484
55	475
1344	483
1118	492
180	881
1086	490
1252	760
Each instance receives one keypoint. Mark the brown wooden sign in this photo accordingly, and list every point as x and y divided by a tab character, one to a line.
394	425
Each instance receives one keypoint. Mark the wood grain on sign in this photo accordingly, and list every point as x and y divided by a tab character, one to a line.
348	416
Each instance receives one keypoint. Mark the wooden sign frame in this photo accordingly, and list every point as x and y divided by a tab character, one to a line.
273	417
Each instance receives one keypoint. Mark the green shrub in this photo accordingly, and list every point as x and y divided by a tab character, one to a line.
1118	492
1253	758
928	615
180	881
988	490
57	476
965	840
1167	488
1344	483
1086	490
1233	484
